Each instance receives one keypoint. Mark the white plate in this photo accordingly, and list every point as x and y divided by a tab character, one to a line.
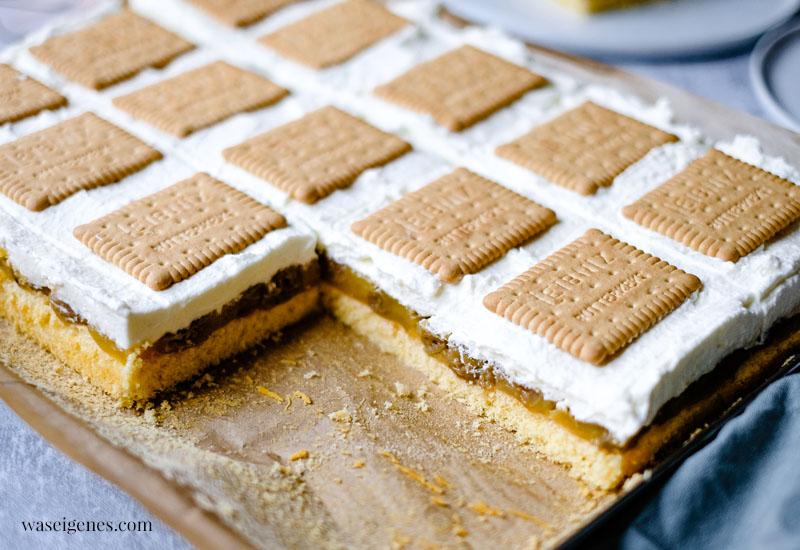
775	74
20	17
672	28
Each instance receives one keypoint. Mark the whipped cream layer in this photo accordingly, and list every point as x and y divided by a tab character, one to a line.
41	247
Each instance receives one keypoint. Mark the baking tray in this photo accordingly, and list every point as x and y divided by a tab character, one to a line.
657	31
214	462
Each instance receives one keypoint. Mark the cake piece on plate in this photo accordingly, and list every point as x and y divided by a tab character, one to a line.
595	6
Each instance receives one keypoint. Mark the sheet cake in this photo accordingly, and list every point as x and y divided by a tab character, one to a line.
563	307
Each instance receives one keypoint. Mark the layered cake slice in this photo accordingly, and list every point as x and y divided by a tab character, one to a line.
142	283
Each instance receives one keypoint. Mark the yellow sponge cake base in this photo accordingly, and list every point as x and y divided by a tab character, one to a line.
605	466
136	377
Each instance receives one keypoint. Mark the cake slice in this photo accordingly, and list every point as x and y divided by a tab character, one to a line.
143	283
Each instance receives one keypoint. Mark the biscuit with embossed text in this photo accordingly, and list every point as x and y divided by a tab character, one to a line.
594	296
44	168
200	98
455	225
22	96
313	156
168	236
719	206
461	87
114	49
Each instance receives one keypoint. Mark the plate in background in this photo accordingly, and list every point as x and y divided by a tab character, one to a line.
21	17
775	74
667	29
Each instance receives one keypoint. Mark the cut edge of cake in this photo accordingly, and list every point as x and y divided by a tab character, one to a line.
604	466
138	374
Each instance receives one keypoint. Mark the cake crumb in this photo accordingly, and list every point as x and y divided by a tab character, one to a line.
400	541
311	374
480	507
458	526
443	482
388	405
150	416
302	396
416	476
249	379
522	515
337	480
533	543
402	390
364	373
341	416
269	393
302	453
422	405
226	510
358	464
586	492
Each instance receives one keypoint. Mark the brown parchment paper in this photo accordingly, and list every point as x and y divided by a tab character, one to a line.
387	461
391	462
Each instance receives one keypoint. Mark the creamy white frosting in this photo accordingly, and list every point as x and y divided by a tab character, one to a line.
737	303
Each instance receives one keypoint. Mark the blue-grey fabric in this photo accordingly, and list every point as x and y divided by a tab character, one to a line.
741	491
